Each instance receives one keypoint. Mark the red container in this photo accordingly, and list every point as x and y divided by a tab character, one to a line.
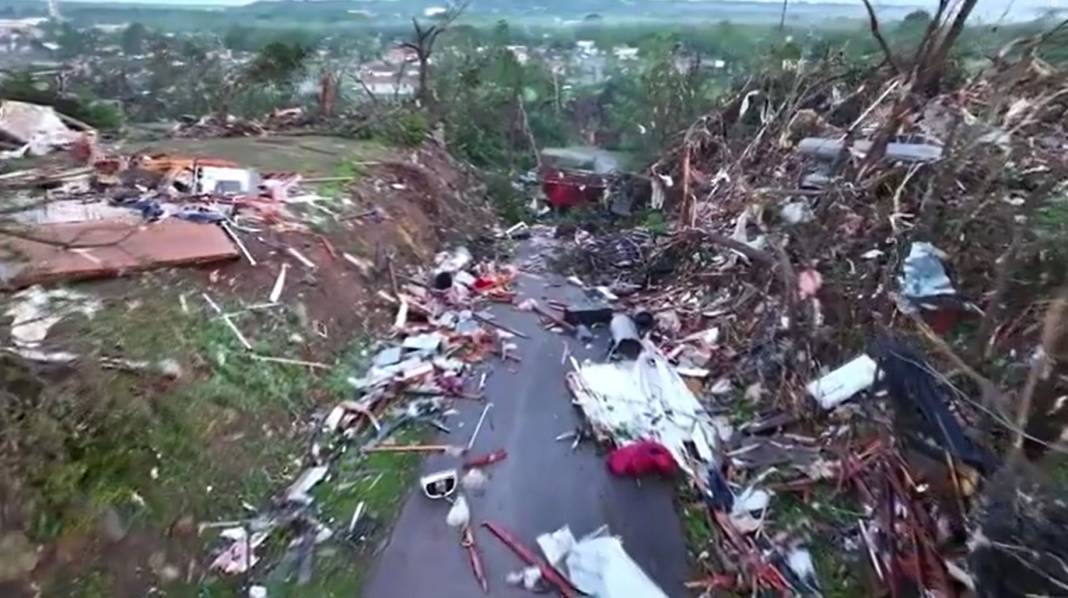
566	188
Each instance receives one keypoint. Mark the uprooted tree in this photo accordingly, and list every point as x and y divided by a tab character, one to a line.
424	38
928	65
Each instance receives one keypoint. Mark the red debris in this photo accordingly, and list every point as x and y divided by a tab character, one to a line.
642	458
548	573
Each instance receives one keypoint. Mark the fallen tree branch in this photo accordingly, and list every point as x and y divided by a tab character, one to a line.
789	277
752	253
992	397
1004	266
1054	331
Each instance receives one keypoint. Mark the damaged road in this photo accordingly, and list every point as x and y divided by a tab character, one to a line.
542	484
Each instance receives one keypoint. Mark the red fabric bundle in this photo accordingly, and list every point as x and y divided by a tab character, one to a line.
642	458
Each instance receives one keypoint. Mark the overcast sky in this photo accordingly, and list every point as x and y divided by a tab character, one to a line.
986	8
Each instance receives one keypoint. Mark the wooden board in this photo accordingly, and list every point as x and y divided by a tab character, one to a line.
125	247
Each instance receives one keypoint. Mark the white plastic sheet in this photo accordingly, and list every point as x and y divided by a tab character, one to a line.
601	568
645	399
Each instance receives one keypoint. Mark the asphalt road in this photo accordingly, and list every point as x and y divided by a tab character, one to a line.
541	486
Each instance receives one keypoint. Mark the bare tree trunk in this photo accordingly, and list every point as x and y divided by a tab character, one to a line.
556	91
423	40
424	80
327	93
931	75
874	23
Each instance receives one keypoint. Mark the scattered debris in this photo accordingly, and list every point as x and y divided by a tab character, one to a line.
645	399
597	565
626	342
546	570
439	485
279	284
38	129
300	258
460	514
35	311
474	481
473	556
782	250
847	233
841	384
588	315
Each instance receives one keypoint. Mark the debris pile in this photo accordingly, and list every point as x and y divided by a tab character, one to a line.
644	399
432	358
819	244
440	334
229	125
124	213
30	129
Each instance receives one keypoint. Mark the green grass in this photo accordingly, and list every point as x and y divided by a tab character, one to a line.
817	518
337	195
334	189
654	221
133	431
814	520
312	156
509	203
93	584
221	436
1051	219
695	523
1055	465
380	482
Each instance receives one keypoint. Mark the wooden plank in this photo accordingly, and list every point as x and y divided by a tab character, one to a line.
112	248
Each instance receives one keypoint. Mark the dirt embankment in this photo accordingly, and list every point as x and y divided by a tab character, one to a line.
105	472
404	208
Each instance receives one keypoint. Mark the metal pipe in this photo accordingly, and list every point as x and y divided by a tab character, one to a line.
625	339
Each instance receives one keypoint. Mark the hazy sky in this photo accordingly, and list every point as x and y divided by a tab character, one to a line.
986	8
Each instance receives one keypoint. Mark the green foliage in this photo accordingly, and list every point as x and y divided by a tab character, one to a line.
670	95
24	87
74	42
402	128
482	99
654	221
505	198
106	116
695	523
917	20
1051	221
670	91
277	63
155	450
92	441
134	38
239	37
